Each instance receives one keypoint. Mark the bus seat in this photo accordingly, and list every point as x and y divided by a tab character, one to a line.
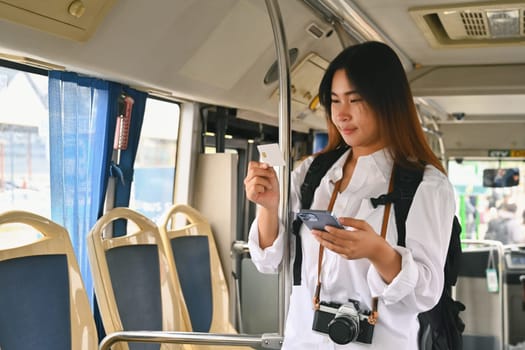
195	260
132	284
43	300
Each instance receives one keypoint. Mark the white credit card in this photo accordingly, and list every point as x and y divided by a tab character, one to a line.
271	154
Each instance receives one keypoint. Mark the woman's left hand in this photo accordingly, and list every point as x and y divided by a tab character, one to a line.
360	241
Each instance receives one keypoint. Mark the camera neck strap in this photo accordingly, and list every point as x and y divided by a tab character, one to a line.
337	186
372	319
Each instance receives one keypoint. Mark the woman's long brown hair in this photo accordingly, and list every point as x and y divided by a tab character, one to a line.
375	70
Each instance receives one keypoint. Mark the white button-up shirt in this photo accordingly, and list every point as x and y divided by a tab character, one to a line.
416	288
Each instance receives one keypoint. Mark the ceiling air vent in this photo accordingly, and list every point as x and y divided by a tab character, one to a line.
475	24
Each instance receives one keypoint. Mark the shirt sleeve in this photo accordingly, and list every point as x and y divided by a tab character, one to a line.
267	260
428	227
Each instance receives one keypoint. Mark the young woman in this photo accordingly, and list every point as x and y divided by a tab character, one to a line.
369	108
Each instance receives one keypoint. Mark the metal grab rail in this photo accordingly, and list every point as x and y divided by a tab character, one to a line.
239	247
285	136
267	341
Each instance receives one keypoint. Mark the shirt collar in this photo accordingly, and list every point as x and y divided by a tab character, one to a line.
382	162
335	173
377	166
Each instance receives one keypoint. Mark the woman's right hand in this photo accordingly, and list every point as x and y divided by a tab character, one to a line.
261	185
262	188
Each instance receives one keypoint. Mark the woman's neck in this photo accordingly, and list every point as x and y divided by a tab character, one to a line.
365	151
348	170
351	162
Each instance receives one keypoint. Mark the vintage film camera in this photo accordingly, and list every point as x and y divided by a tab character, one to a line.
344	323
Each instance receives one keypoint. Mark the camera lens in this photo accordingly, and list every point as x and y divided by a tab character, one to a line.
343	329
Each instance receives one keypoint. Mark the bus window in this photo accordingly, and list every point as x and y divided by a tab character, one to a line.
478	205
154	173
24	142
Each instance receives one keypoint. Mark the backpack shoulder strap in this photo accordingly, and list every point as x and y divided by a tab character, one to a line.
440	327
406	182
453	261
320	165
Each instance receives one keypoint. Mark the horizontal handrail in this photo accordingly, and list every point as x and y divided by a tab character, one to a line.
485	242
239	247
268	341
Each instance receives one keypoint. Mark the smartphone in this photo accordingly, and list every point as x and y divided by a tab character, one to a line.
318	219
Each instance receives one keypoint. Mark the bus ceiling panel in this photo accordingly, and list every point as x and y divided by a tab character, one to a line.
482	107
349	16
483	136
466	93
214	52
407	24
74	20
305	79
473	24
468	80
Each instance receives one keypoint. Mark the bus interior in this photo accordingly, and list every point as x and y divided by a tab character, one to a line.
204	82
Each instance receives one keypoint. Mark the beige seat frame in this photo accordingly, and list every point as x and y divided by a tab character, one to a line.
99	242
55	240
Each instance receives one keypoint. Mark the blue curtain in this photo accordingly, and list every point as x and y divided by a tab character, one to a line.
82	123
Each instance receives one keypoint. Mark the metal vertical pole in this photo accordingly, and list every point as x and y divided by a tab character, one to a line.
285	145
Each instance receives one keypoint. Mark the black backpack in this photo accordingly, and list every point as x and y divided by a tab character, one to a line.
440	328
